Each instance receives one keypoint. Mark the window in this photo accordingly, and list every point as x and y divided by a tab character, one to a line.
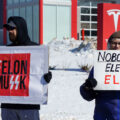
85	25
21	1
36	23
9	2
29	20
94	10
80	2
15	1
87	32
88	20
94	18
85	18
85	10
22	12
94	26
16	12
94	33
25	9
28	0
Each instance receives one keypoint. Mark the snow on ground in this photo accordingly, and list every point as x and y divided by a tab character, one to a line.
66	54
64	99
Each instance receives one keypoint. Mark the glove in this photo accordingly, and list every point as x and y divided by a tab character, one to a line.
48	76
90	83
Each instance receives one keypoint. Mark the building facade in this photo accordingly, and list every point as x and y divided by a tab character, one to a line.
27	9
1	14
54	19
46	19
1	22
87	17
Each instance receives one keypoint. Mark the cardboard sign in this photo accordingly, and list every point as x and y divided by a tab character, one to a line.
107	69
21	74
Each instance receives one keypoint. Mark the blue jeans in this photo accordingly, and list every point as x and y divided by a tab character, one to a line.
19	114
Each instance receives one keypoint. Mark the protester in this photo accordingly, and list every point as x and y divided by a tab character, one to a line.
107	103
18	35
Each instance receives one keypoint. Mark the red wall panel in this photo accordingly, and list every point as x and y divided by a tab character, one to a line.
74	19
108	22
41	21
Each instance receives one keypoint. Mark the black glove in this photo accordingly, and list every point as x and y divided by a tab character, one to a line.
90	83
48	76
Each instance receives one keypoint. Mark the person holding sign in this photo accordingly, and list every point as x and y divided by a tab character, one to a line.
107	103
18	35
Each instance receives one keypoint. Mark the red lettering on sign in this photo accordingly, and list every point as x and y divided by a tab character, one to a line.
114	82
111	80
107	78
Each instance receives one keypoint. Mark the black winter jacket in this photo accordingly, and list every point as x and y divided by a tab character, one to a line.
22	40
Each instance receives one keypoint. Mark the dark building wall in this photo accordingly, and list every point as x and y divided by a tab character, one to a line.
1	14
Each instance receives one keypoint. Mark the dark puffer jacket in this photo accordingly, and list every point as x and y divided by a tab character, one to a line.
22	40
107	103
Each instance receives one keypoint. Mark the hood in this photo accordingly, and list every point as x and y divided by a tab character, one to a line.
22	31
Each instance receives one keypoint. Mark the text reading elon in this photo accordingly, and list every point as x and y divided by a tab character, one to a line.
16	71
112	66
14	74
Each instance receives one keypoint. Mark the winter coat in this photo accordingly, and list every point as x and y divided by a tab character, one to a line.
22	40
22	32
107	103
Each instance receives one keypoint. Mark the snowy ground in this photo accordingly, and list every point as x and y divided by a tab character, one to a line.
64	100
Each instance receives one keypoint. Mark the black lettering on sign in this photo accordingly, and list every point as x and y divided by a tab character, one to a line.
100	57
107	67
112	67
1	82
108	57
4	66
118	57
6	82
22	82
16	66
117	67
9	68
24	67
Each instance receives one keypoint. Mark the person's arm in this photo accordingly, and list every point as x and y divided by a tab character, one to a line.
86	90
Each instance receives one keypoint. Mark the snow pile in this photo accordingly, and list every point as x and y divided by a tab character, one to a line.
64	99
65	54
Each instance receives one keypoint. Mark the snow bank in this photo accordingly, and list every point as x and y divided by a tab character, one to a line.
65	54
64	99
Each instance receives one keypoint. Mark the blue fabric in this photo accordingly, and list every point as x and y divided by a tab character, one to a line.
17	114
107	102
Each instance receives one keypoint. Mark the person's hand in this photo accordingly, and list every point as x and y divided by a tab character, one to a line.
90	83
48	76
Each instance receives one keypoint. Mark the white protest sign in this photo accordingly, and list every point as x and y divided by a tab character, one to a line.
107	69
21	74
